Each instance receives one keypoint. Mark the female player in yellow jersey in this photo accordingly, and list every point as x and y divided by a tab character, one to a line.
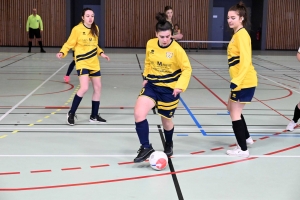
243	77
296	117
84	40
166	74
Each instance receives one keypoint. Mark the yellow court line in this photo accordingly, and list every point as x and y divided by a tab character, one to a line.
15	131
3	136
30	124
40	120
53	113
46	117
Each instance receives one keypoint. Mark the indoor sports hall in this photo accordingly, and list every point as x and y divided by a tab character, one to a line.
43	158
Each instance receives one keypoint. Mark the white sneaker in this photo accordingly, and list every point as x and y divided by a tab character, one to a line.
291	126
249	141
238	152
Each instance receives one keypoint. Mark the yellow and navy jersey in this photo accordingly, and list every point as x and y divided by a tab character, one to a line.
85	47
167	66
239	53
34	22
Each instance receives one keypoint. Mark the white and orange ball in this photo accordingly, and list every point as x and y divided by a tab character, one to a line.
158	160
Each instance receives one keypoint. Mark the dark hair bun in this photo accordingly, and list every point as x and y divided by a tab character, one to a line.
161	17
241	4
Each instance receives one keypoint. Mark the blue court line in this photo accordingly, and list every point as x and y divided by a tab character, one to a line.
182	134
223	114
192	116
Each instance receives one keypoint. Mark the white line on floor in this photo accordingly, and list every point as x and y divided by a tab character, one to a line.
9	111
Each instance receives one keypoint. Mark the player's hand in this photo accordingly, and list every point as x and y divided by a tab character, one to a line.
145	82
176	91
105	56
59	55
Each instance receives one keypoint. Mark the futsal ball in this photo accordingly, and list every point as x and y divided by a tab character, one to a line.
158	160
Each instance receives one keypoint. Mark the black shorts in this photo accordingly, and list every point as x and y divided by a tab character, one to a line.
34	32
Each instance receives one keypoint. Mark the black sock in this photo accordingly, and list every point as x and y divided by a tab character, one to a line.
296	114
142	130
169	135
29	45
41	45
95	108
71	67
76	101
245	126
239	132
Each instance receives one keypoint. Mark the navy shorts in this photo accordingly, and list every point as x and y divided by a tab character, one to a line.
90	73
165	102
244	95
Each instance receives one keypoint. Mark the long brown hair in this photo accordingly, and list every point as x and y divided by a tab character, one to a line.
94	29
241	10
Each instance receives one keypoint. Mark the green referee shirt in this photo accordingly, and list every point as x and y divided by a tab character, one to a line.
34	22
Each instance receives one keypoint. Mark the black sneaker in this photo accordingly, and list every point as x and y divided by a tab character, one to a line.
97	118
70	119
29	51
143	154
168	150
43	51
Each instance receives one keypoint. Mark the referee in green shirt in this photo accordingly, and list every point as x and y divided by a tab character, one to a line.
34	27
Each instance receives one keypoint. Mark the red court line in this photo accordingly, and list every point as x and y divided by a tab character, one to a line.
73	168
9	173
197	152
98	166
210	91
10	58
232	145
16	95
143	177
216	149
263	138
228	81
40	171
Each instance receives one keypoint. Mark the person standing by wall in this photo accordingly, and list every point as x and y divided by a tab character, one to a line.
34	28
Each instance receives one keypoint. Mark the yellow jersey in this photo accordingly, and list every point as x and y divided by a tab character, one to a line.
167	66
239	54
85	47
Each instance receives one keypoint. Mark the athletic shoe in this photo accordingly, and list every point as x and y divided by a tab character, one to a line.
143	154
291	126
70	119
97	118
237	151
249	141
67	79
168	150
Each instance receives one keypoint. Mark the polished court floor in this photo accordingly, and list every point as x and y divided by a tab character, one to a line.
42	158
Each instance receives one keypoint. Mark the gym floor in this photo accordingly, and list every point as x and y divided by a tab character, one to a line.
44	158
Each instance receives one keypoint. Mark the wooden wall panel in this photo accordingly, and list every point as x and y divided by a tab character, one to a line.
131	23
283	30
14	14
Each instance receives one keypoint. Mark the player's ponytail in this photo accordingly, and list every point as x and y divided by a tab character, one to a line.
162	23
241	9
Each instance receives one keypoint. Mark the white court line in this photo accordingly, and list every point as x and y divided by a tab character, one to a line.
24	99
279	83
134	155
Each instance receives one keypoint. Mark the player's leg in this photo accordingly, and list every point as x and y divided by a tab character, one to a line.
293	122
31	37
144	103
96	82
84	86
39	39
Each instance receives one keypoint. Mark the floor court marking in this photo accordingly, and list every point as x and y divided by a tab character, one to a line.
26	97
145	176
